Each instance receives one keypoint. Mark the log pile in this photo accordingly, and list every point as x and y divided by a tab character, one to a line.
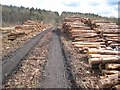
100	40
26	28
31	25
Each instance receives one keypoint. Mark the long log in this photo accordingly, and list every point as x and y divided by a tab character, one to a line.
115	40
109	81
83	30
89	46
111	35
87	43
104	52
112	66
111	31
115	44
103	61
85	35
81	33
101	21
110	72
85	39
101	56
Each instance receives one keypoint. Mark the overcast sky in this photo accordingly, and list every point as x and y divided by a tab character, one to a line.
101	7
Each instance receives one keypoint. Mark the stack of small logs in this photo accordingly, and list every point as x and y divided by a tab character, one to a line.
31	25
25	29
99	39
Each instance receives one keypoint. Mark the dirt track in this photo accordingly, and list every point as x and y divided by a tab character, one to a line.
51	74
55	74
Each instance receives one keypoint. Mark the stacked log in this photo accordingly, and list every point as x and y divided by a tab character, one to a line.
31	25
100	40
110	64
25	29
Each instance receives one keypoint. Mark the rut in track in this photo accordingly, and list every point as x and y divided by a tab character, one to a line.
55	75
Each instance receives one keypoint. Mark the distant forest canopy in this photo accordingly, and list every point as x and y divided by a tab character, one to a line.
12	15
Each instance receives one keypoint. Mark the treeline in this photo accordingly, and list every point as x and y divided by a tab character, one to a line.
88	15
12	15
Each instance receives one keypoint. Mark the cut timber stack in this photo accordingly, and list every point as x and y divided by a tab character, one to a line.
107	60
31	25
26	28
100	40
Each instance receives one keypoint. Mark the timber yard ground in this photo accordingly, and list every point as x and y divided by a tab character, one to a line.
80	54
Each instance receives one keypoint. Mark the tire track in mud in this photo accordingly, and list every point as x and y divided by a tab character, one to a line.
55	71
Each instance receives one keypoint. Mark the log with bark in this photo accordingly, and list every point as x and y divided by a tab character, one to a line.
89	46
82	31
104	52
101	56
112	66
87	43
96	61
111	35
86	39
13	36
110	72
80	27
84	35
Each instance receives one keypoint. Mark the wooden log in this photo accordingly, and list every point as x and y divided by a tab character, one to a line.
111	35
109	81
115	40
13	36
91	36
82	31
100	51
89	46
85	39
84	35
86	43
110	72
103	61
101	21
115	44
82	28
101	56
112	66
113	31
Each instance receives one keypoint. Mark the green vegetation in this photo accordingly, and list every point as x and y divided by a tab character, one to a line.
12	15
